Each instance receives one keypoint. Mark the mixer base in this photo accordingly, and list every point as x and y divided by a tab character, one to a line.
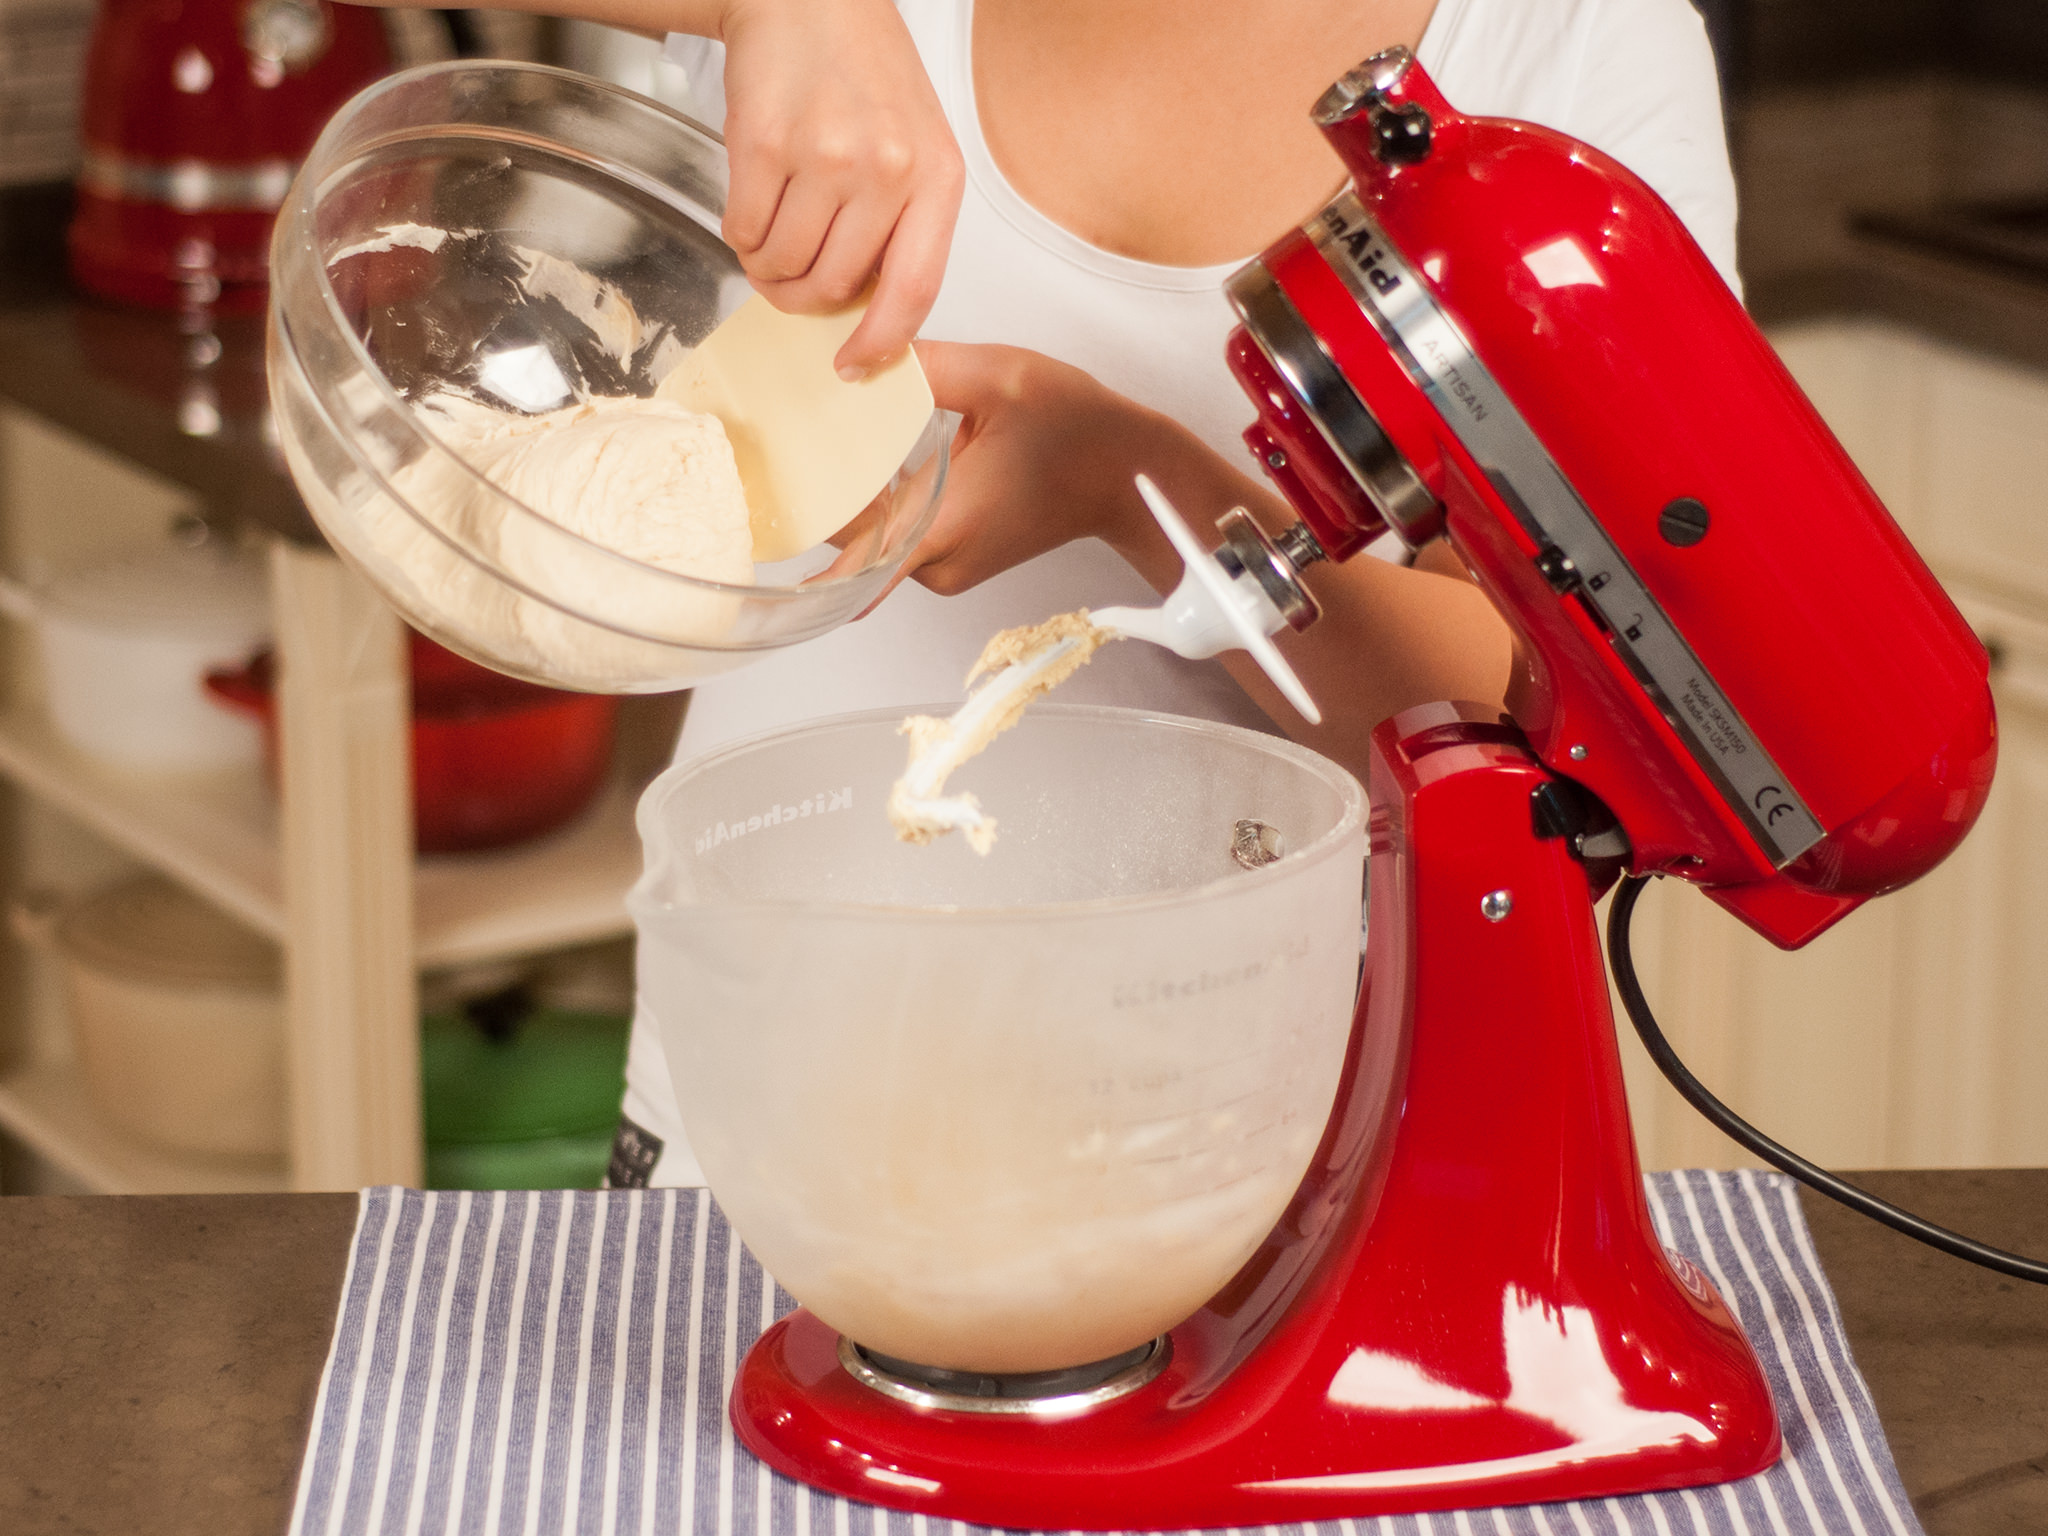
1465	1305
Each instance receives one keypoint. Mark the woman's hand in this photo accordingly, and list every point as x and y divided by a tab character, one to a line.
844	171
1044	456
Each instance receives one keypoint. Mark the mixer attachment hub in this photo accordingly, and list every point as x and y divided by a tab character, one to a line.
1073	1389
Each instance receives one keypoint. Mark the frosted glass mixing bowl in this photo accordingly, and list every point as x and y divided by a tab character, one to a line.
1013	1113
534	237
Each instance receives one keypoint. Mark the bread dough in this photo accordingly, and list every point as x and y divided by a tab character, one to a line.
547	538
646	479
1020	664
636	480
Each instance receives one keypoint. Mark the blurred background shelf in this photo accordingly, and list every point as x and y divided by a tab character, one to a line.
569	888
45	1108
215	833
218	835
322	865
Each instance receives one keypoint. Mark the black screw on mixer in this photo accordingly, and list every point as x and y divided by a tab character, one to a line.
1401	133
1683	523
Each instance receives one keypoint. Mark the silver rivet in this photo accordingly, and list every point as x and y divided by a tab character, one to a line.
1495	905
1277	459
1578	753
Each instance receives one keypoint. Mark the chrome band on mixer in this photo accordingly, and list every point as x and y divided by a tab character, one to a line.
1041	1394
1436	355
1340	418
190	186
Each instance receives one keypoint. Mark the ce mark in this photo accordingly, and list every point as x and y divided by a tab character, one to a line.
1782	807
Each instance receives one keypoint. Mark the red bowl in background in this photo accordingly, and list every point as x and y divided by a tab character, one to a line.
495	760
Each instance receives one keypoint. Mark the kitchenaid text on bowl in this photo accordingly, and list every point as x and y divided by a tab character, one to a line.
821	804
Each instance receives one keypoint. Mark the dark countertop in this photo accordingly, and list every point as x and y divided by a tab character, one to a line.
1956	1356
159	1355
182	396
1766	45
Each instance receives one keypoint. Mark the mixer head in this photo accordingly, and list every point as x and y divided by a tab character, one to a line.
1498	335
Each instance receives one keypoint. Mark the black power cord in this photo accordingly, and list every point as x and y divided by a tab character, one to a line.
1741	1131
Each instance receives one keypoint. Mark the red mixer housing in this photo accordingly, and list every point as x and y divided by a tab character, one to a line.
1733	669
194	118
1500	334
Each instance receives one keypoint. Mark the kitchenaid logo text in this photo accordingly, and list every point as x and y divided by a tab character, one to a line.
1170	989
1367	258
1362	248
818	805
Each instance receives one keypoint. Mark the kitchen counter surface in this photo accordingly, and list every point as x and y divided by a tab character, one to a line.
159	1356
1917	195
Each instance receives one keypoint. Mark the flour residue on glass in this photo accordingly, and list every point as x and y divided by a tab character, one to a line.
392	237
597	305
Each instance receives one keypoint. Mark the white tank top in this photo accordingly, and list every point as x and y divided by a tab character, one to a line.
1633	77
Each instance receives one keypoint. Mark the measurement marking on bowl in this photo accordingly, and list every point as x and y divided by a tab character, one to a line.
1136	994
1180	1159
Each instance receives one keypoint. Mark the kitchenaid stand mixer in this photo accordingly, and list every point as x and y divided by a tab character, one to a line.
1733	669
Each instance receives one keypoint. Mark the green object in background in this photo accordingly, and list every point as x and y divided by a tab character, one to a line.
555	1162
519	1097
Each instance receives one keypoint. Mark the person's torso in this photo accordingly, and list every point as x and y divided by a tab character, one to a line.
1153	333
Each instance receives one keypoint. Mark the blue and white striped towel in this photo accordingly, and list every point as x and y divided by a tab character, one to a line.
533	1364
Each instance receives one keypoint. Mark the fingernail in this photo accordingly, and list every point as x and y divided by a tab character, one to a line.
849	374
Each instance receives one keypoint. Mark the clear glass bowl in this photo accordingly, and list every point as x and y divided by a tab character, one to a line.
404	264
1012	1113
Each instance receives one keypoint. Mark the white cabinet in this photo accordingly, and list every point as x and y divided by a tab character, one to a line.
1971	1081
1914	1034
324	869
1982	486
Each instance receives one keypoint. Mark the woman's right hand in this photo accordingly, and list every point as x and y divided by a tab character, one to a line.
844	170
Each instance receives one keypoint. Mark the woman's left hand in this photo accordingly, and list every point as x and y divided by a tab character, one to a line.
1044	455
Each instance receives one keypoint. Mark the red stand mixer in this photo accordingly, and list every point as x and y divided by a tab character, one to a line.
1735	670
195	116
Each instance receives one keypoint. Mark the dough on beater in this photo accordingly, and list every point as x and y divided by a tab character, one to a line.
1020	664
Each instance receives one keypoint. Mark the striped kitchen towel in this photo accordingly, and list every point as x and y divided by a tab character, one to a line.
533	1364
